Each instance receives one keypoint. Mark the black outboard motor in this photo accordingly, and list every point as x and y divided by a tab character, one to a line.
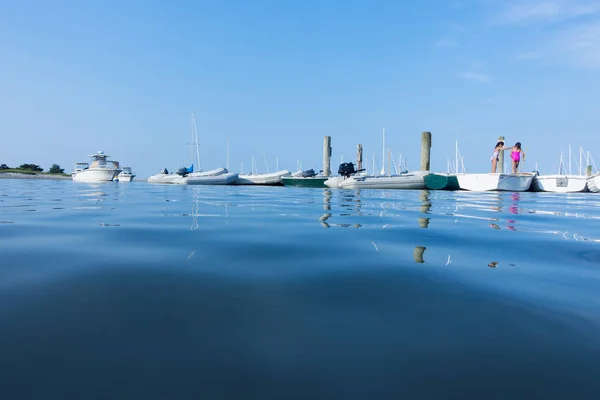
309	173
346	169
183	171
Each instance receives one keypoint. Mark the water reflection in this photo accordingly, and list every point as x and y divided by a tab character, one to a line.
418	254
392	212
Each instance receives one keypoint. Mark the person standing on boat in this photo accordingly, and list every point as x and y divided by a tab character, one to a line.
497	149
515	156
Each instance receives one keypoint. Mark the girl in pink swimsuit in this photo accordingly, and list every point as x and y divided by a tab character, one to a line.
515	155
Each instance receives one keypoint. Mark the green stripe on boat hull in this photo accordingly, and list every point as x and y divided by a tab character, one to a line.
317	182
441	182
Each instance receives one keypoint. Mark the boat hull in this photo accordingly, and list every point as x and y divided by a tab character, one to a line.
334	182
163	178
441	182
593	183
403	181
273	179
95	175
315	182
125	178
560	183
519	182
221	179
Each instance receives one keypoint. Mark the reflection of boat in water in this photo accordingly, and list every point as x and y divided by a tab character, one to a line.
100	169
125	175
518	182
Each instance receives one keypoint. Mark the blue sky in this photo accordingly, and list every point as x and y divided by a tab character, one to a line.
274	77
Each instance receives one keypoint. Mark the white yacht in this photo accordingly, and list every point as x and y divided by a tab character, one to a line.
99	170
125	175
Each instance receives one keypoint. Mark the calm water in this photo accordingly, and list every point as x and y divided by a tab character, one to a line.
129	290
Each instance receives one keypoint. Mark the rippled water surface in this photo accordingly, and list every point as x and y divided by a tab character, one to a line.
129	290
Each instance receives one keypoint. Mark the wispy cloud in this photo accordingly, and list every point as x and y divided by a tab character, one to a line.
446	42
579	44
544	11
565	31
476	77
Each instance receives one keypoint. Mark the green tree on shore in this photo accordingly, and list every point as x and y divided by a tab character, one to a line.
3	166
56	169
31	167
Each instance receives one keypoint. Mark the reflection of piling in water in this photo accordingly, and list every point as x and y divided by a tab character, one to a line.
425	207
425	150
500	156
327	156
418	254
327	199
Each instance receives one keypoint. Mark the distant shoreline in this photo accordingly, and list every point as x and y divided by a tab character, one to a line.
17	175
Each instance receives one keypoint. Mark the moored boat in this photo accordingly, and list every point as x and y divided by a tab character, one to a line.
441	181
593	183
269	179
99	170
515	182
306	178
125	175
560	183
405	180
226	178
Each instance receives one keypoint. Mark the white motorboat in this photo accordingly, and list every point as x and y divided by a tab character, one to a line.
406	180
593	183
125	175
560	183
226	178
99	170
273	178
518	182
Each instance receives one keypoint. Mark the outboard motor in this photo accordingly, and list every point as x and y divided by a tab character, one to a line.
183	171
309	173
346	169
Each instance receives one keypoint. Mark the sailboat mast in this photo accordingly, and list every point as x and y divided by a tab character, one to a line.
196	138
374	173
456	155
383	155
581	161
570	171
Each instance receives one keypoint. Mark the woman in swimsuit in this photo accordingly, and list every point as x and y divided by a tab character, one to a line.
515	155
499	147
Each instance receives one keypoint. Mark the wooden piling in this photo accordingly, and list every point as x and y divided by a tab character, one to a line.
588	170
359	157
501	156
425	150
327	156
